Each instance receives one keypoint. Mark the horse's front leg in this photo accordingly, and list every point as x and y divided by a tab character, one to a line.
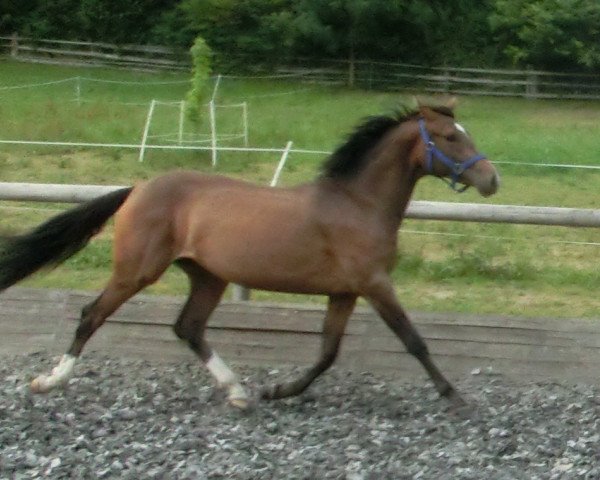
338	312
383	299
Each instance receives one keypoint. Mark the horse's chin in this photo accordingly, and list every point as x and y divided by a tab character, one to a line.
485	185
486	192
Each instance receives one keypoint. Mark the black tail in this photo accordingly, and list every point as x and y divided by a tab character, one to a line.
57	239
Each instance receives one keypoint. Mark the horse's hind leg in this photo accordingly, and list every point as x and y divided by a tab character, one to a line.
138	265
92	318
338	312
206	291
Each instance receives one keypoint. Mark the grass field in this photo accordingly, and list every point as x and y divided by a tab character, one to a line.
461	267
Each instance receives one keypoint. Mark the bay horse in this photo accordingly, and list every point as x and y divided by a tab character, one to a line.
336	236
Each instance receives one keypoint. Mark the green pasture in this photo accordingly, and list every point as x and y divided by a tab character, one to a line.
442	266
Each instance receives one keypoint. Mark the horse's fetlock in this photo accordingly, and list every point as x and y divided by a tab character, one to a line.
416	346
180	331
85	329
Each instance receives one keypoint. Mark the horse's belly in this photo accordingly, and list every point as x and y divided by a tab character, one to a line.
288	263
293	271
278	246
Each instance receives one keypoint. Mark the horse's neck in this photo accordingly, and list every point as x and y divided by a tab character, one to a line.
388	180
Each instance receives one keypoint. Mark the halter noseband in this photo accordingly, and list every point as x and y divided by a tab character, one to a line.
434	153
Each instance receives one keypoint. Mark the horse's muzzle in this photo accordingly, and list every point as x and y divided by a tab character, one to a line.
484	178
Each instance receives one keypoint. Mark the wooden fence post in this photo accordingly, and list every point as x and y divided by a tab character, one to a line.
14	45
446	81
351	69
531	85
240	294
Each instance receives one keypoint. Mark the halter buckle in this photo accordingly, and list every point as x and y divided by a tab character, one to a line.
458	169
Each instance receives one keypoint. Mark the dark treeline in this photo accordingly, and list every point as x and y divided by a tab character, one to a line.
559	35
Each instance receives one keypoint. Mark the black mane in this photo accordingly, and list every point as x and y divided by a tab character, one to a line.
349	158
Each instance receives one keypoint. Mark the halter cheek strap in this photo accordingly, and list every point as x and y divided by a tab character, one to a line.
434	153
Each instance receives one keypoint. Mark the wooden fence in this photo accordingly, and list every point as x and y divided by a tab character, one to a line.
530	84
523	349
145	57
362	74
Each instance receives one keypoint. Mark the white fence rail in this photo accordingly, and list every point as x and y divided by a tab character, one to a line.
463	212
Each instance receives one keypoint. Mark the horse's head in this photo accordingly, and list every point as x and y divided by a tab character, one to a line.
448	151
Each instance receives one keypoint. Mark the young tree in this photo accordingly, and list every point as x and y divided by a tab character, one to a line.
201	61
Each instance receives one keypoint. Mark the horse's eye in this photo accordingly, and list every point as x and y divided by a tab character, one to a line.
452	137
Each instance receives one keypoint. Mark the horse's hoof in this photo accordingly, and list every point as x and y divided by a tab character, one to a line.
240	403
461	409
456	401
37	385
269	393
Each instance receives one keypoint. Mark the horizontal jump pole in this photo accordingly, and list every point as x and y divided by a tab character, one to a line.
53	193
424	210
515	214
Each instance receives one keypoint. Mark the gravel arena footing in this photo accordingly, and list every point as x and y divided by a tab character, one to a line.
136	419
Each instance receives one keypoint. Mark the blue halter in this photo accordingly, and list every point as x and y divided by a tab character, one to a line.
434	153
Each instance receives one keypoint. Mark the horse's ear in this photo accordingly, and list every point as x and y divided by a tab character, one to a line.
424	107
451	103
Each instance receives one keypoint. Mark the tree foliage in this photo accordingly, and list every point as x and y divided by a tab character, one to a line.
420	31
234	27
133	21
549	34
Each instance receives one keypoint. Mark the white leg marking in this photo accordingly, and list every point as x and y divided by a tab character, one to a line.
60	375
220	370
226	378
